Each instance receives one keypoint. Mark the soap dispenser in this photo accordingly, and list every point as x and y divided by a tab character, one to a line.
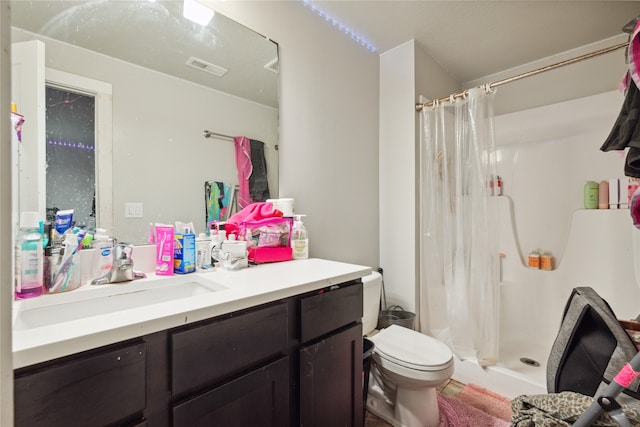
299	239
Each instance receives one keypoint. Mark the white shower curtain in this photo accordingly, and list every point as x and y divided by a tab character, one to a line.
459	291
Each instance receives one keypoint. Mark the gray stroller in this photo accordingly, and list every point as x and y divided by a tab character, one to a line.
595	355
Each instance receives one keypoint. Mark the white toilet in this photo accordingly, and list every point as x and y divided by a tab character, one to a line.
407	368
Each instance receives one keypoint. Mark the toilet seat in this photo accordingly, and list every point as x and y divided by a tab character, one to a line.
412	350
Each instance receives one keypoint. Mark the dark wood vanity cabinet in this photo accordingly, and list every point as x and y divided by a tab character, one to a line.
99	388
232	371
260	397
330	371
291	362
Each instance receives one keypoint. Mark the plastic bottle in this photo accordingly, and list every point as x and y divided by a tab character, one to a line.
217	237
591	189
546	261
534	260
29	257
299	239
103	256
603	195
202	247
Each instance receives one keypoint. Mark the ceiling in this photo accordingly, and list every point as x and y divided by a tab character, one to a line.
474	39
469	39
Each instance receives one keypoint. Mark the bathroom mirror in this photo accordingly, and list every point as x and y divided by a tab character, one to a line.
160	81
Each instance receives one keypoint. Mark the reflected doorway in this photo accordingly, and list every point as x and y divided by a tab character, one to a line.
71	155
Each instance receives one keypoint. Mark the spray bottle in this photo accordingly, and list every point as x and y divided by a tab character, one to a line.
299	239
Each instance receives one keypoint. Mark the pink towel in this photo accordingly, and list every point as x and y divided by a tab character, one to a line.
634	208
245	168
634	55
252	212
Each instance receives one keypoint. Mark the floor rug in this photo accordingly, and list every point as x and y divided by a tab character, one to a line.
486	400
464	406
456	413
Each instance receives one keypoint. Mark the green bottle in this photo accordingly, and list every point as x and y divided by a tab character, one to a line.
591	195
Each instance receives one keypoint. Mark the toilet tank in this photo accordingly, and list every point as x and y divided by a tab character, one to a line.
372	286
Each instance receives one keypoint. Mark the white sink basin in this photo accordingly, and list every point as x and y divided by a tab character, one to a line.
90	301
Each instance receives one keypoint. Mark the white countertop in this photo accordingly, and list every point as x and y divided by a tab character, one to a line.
237	290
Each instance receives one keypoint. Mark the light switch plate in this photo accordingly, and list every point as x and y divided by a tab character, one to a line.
133	210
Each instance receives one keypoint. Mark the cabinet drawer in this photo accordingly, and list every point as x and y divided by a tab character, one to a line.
97	389
220	349
329	310
331	380
260	397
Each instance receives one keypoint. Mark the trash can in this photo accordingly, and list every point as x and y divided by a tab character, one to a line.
396	315
367	351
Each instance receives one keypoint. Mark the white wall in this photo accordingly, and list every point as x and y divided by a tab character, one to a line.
589	77
328	127
397	171
405	73
6	221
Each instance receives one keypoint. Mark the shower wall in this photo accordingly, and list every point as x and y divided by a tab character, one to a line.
545	155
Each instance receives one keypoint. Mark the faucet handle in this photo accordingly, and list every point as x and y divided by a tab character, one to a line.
123	251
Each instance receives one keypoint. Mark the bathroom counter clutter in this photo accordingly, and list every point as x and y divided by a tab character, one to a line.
57	325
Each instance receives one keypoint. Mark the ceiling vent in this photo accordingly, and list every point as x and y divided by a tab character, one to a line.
206	67
273	65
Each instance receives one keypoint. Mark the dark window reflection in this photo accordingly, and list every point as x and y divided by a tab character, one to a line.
70	124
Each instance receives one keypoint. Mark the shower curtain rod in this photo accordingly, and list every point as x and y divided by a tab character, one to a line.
419	106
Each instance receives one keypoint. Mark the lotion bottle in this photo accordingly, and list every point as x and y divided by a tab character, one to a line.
299	239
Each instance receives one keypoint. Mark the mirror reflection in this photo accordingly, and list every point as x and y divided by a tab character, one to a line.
158	81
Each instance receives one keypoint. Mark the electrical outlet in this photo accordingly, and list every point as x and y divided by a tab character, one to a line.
133	210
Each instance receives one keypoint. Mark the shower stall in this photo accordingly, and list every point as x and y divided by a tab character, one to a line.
544	156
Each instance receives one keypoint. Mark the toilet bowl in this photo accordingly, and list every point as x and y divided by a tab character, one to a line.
407	368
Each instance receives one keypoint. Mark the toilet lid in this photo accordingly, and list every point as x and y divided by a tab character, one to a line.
412	349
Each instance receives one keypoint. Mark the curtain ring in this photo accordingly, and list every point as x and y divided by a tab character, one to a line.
435	104
488	88
452	98
465	94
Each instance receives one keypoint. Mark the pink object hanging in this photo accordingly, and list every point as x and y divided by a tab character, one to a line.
245	168
634	55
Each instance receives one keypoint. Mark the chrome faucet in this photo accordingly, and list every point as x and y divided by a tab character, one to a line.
122	269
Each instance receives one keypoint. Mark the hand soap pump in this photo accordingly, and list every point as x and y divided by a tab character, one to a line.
299	239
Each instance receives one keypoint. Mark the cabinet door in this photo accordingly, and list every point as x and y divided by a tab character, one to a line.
331	380
260	398
93	389
212	352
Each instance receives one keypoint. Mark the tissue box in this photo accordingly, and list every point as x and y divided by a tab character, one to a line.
184	253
